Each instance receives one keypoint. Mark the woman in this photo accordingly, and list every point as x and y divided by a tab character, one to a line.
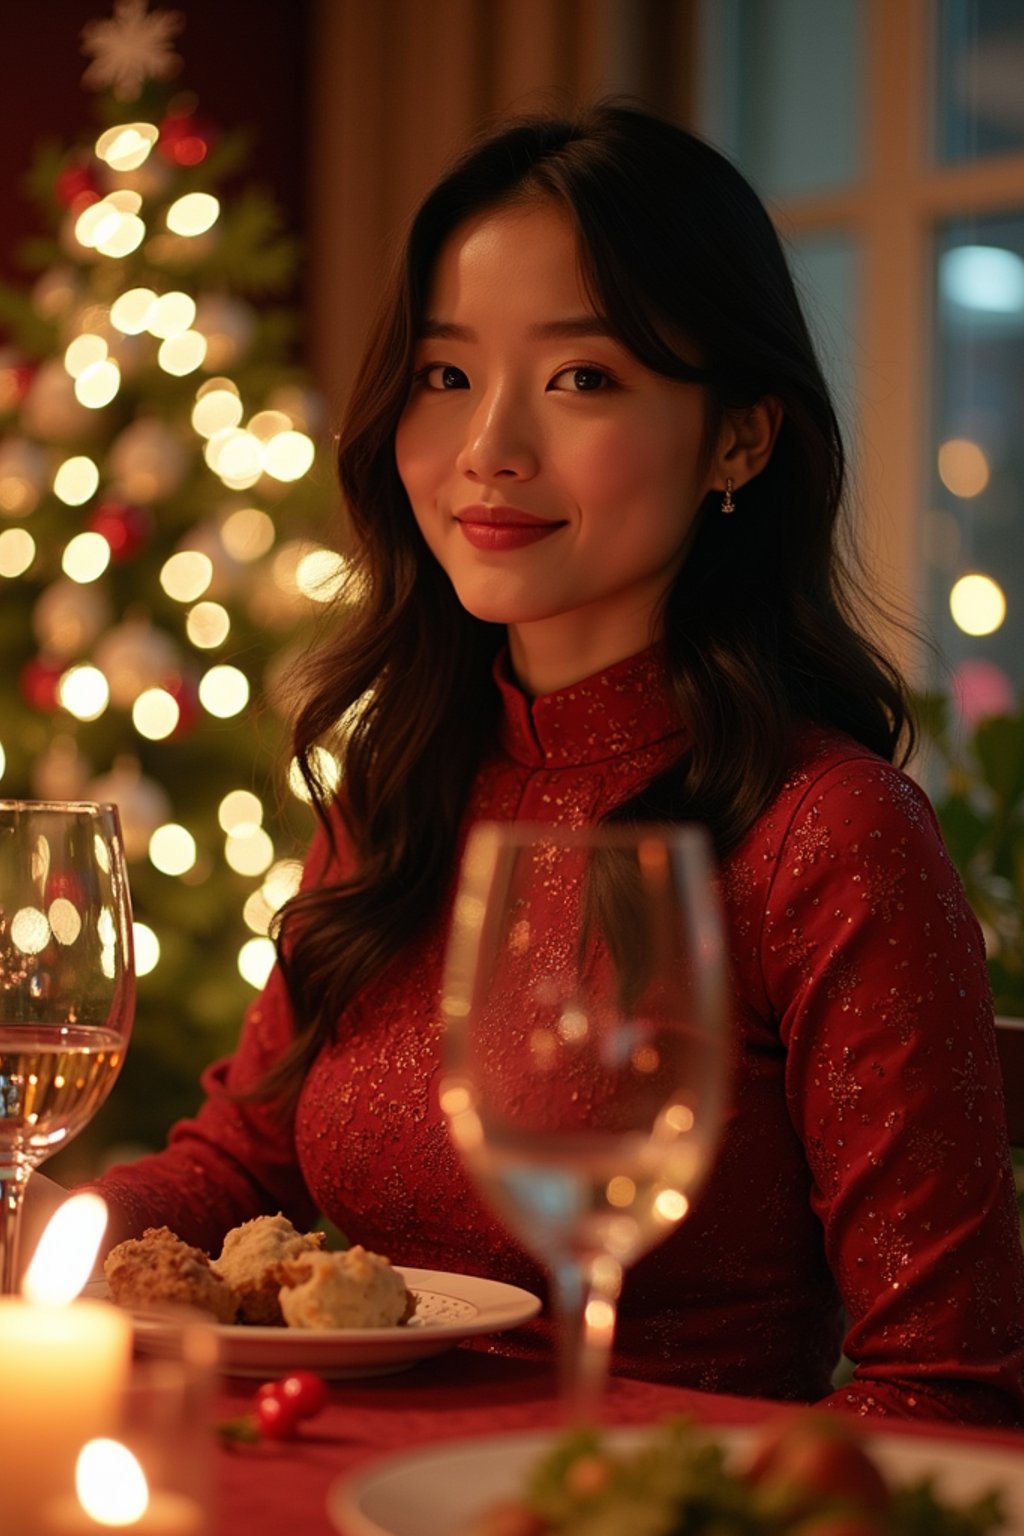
594	479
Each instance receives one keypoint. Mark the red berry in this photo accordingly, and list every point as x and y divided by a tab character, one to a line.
305	1392
276	1417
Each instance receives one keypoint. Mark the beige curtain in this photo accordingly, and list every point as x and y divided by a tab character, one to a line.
399	86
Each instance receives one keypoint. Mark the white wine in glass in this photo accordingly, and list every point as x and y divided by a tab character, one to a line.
67	986
586	1052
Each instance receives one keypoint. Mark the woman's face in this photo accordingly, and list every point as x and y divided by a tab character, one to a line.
553	476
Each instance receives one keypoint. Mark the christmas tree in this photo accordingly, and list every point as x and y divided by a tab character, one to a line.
160	564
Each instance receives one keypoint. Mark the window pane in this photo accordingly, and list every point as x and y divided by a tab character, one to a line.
780	82
825	269
974	525
980	95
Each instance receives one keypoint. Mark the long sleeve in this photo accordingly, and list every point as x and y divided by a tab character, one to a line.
875	969
237	1157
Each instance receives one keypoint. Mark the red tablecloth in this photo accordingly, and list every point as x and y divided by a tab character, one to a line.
281	1489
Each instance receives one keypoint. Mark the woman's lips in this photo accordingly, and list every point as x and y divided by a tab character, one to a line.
502	528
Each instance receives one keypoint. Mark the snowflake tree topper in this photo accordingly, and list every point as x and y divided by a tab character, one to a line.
133	46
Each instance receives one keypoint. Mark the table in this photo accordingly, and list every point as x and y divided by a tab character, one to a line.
280	1489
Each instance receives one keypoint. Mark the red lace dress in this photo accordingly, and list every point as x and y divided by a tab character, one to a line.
864	1179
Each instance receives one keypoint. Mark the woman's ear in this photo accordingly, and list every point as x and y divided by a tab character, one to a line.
746	442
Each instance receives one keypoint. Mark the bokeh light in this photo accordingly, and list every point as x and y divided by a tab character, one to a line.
86	557
963	467
224	691
155	714
978	604
17	551
172	849
256	960
76	480
84	692
147	949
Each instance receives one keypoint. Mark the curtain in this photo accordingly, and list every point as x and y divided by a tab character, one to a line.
399	86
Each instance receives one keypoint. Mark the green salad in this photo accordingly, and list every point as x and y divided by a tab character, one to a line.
806	1474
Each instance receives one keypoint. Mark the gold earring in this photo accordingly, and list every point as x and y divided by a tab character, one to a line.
728	505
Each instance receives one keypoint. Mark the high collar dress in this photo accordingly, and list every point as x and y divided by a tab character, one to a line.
862	1199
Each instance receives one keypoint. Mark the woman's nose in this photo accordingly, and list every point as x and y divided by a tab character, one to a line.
500	442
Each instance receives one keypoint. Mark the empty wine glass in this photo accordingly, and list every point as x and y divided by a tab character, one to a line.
67	985
586	1052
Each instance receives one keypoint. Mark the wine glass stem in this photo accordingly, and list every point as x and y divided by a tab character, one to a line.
586	1298
13	1178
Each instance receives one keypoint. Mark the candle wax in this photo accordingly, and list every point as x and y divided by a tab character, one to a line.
64	1369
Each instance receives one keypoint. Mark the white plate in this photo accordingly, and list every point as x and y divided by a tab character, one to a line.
449	1308
437	1492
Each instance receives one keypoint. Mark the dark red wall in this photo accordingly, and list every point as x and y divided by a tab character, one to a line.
246	60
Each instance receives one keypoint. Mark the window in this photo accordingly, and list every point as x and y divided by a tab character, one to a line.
888	140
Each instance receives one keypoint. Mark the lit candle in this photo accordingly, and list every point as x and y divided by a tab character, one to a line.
112	1492
64	1365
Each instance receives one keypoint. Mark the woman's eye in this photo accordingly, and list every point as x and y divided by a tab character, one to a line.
443	376
581	380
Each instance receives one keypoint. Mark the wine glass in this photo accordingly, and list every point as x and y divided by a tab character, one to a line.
67	985
586	1052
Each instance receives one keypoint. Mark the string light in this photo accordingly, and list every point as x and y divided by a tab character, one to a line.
112	225
218	408
155	714
17	552
249	850
172	849
127	145
224	691
86	557
256	960
147	949
247	534
208	625
84	692
320	575
182	354
171	314
193	214
186	575
76	480
132	311
239	808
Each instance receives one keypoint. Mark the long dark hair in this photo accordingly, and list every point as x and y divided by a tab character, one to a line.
758	624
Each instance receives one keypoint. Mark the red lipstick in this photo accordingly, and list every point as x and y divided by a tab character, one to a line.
503	528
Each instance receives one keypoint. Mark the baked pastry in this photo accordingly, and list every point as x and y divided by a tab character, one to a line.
250	1259
349	1289
160	1269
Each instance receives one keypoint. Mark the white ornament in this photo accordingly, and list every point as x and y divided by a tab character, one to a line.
147	461
134	656
228	325
61	772
22	476
142	804
51	410
132	47
205	539
67	617
55	293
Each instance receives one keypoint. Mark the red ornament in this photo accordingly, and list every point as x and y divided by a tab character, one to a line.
185	694
38	682
183	140
76	183
67	887
126	528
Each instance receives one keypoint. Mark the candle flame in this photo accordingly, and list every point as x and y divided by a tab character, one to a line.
110	1483
67	1251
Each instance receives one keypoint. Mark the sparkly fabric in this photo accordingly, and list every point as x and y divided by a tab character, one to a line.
864	1179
